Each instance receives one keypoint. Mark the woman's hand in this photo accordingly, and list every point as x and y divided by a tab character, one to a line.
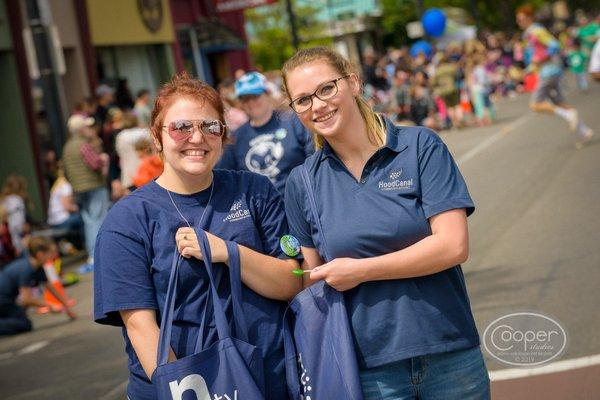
341	273
188	246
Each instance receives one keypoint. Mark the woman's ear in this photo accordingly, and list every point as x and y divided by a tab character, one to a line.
156	141
354	82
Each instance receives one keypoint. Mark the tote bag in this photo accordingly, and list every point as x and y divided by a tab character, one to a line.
319	350
231	368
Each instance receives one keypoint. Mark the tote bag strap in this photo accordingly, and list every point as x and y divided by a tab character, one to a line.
313	208
166	320
223	330
235	279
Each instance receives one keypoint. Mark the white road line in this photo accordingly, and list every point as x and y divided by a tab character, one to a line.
34	347
559	366
4	356
118	390
492	139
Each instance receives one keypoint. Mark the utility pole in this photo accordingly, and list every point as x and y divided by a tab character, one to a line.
293	27
39	24
419	8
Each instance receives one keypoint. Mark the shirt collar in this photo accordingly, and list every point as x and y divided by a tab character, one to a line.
394	141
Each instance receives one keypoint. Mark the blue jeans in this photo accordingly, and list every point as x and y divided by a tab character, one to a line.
456	375
94	206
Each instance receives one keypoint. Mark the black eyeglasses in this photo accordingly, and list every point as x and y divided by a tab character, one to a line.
326	91
182	129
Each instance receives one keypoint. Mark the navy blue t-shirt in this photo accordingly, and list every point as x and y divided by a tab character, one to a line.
272	150
135	247
410	179
19	273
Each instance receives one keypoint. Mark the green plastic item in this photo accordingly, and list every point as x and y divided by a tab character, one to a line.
298	272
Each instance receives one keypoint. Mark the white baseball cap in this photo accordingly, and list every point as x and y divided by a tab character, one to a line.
77	121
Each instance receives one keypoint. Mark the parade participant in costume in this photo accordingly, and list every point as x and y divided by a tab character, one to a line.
137	242
393	208
543	50
272	142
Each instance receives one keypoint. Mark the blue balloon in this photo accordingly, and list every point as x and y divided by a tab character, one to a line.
421	46
434	22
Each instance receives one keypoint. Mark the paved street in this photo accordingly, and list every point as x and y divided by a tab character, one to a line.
534	247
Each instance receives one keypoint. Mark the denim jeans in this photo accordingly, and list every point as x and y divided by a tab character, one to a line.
456	375
94	206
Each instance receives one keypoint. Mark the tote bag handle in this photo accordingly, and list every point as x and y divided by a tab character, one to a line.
313	208
223	330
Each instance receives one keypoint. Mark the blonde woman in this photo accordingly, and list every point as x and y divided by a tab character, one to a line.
393	207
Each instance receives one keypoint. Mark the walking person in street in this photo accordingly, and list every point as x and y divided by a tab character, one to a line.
272	142
393	208
136	244
549	95
86	167
16	281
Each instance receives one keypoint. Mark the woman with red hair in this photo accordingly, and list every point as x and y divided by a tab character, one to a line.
136	243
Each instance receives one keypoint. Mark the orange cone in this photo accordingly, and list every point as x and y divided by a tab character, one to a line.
51	268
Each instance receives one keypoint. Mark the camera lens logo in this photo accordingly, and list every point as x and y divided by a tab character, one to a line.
524	339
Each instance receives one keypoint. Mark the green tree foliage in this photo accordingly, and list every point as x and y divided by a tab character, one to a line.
270	37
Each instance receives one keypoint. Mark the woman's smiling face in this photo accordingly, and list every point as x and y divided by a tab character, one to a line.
326	117
199	153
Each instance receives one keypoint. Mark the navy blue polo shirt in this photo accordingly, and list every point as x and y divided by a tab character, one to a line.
272	149
133	255
410	179
17	274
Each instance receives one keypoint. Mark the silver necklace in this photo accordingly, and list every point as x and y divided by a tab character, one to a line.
212	188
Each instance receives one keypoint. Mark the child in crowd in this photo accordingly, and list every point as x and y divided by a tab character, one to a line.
151	166
577	61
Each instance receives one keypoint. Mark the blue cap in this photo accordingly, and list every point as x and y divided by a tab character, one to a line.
252	83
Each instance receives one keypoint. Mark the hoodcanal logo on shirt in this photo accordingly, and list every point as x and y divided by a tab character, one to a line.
394	183
237	212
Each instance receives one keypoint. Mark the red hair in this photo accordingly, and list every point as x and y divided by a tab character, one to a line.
526	9
184	86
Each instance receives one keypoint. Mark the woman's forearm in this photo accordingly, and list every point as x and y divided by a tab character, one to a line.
428	256
143	332
269	276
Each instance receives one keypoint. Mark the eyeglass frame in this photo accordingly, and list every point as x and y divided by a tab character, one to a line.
314	94
196	125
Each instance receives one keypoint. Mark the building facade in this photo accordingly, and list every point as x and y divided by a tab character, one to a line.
140	43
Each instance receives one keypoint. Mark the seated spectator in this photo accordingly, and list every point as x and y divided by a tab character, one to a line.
14	199
16	281
151	165
422	107
63	211
400	96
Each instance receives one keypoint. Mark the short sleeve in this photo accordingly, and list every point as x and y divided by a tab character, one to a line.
294	209
122	277
442	185
272	223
